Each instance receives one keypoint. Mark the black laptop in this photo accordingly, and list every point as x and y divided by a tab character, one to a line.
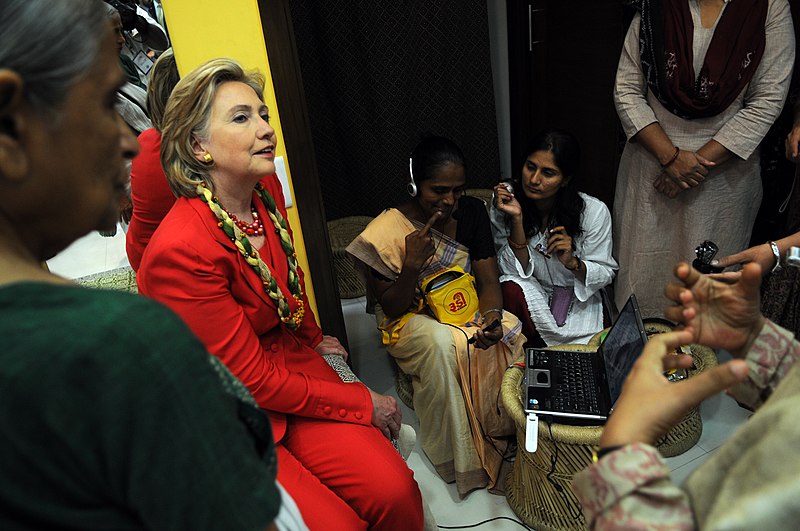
584	385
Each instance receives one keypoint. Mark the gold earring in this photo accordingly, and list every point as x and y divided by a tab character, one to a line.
207	158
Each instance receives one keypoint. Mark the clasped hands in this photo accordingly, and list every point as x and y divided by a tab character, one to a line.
711	313
687	171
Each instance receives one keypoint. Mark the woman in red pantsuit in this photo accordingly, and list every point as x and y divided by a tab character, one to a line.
223	259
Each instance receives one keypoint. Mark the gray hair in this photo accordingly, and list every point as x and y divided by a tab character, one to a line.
51	45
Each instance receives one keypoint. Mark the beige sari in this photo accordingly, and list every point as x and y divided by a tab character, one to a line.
456	386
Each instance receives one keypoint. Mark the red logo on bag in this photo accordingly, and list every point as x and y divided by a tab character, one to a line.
457	301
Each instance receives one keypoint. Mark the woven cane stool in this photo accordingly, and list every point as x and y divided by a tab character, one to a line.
539	486
341	232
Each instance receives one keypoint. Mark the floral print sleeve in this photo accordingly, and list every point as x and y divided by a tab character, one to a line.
770	358
630	488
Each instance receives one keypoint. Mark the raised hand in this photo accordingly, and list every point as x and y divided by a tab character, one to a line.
419	245
559	243
717	314
385	414
666	402
505	202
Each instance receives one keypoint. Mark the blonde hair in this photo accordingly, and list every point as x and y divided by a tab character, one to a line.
186	117
163	78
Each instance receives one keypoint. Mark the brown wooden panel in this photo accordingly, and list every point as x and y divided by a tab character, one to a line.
284	65
562	68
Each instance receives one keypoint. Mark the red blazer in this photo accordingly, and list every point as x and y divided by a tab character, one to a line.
150	193
191	266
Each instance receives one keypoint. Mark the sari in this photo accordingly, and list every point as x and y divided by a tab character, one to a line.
463	426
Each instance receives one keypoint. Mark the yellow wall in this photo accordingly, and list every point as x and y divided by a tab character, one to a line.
205	29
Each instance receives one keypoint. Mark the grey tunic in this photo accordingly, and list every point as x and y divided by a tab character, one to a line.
651	231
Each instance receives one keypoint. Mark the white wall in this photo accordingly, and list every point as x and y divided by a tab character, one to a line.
498	42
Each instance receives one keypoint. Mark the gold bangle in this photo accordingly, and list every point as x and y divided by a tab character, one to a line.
515	245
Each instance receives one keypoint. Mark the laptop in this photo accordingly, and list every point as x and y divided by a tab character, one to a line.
584	385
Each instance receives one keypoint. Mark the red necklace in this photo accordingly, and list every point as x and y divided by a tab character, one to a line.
256	228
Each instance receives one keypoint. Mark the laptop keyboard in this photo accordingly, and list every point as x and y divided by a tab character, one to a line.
577	392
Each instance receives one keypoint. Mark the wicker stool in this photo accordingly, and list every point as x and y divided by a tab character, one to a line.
484	194
539	487
342	232
403	386
687	432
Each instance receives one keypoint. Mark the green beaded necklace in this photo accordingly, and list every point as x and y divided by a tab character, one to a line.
291	319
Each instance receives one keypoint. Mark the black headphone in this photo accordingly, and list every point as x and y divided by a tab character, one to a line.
412	186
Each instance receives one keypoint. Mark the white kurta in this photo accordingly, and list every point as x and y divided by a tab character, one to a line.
593	246
653	232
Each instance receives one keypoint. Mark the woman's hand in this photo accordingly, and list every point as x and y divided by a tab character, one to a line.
484	339
559	243
331	345
760	254
386	415
420	246
716	314
688	170
667	186
793	144
505	202
650	404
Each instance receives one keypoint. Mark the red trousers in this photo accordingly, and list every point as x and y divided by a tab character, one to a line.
347	477
514	301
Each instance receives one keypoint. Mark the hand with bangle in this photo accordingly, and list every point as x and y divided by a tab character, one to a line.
682	170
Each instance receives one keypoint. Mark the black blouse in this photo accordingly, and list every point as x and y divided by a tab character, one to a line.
474	230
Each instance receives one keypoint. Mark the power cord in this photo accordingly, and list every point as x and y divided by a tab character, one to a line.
576	514
469	526
505	456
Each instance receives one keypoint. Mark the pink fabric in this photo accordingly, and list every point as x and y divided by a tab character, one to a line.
514	302
151	195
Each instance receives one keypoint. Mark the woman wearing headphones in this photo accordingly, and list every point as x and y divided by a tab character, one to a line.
432	270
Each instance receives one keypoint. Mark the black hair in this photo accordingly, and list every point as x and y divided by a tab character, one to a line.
431	154
568	203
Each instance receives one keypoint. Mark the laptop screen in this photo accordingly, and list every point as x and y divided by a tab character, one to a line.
622	346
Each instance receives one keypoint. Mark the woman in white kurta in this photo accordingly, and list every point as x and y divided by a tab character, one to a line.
551	238
685	180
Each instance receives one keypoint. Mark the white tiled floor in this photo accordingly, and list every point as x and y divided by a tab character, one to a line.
721	415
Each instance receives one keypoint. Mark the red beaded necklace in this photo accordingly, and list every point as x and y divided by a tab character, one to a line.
256	228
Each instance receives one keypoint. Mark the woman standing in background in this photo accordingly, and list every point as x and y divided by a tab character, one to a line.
695	100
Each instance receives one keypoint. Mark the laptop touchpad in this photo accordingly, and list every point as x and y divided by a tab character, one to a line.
541	378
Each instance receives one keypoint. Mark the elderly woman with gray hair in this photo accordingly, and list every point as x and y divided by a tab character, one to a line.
104	426
224	259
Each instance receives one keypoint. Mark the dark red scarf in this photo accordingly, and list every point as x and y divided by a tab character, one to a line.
733	55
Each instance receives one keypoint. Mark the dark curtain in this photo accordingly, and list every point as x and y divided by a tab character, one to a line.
377	77
777	173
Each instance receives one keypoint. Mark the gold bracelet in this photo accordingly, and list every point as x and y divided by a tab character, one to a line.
515	245
577	267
